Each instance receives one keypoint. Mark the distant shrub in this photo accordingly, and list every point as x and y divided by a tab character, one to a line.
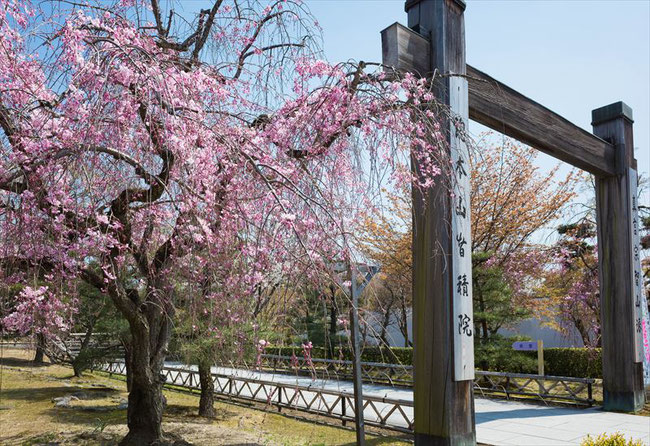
497	355
616	439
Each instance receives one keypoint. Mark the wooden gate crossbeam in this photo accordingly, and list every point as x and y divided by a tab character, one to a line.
502	108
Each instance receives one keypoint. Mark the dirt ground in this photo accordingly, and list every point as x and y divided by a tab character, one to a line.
28	415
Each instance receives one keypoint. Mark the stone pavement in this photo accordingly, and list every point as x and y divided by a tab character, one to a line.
509	423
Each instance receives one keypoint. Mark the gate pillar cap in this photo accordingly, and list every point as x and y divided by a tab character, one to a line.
611	112
411	3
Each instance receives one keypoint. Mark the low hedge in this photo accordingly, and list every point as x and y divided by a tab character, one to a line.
575	362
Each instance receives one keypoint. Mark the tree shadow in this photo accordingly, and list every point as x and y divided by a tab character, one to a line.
523	413
35	394
11	361
109	415
186	413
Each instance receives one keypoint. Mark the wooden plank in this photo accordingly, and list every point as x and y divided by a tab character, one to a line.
405	50
622	374
505	110
461	235
443	407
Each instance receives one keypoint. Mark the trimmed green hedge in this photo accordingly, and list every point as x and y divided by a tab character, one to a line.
576	362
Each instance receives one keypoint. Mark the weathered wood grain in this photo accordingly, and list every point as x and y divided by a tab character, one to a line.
443	407
405	50
622	376
505	110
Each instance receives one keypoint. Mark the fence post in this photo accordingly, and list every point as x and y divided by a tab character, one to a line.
343	410
279	398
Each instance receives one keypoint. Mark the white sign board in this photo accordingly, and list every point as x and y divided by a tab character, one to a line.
640	313
462	313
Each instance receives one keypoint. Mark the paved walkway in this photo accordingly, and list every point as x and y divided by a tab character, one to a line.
510	423
498	422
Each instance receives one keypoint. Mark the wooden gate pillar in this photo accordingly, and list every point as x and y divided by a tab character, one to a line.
442	319
615	200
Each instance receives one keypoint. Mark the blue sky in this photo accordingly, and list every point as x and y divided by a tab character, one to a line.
571	56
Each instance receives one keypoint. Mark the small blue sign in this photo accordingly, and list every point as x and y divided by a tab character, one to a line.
526	346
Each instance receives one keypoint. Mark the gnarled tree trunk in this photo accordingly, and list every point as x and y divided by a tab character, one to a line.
150	334
206	403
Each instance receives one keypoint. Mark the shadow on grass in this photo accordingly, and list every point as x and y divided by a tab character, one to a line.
90	419
82	438
35	394
11	361
185	413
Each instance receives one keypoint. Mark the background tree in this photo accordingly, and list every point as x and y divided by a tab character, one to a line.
101	331
511	199
386	240
571	285
494	306
512	203
201	343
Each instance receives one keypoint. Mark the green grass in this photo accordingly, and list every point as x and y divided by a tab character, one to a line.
28	415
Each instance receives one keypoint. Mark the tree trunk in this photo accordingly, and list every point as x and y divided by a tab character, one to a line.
78	363
583	330
144	414
481	306
77	368
40	343
128	365
206	403
146	356
383	337
403	325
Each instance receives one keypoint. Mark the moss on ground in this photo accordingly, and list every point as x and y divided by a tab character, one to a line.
28	415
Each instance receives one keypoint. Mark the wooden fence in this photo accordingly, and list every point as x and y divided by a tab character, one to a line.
548	389
394	414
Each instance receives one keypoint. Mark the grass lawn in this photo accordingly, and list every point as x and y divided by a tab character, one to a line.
28	415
